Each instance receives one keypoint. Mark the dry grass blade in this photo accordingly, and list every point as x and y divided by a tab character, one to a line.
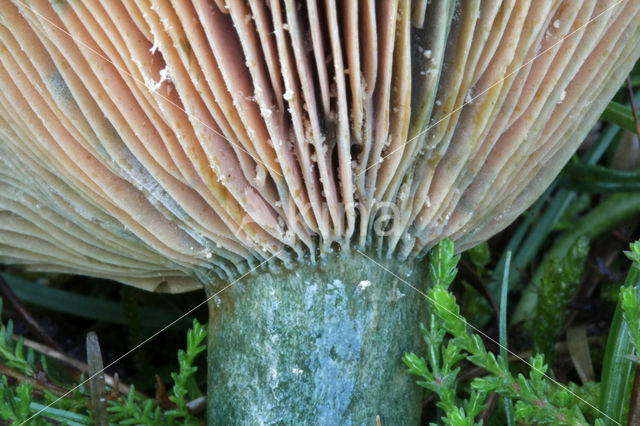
97	382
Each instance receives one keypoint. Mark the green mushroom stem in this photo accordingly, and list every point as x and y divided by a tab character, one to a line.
171	145
320	342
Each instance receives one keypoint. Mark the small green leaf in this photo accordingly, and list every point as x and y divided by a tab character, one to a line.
620	115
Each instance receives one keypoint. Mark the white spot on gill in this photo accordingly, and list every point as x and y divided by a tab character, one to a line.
563	95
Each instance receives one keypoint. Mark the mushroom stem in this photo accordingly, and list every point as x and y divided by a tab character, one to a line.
321	344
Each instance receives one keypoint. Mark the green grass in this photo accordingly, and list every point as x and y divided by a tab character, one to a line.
21	404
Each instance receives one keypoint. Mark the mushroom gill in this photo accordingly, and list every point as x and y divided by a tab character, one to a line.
166	143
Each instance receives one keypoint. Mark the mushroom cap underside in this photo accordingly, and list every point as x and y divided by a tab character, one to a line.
141	141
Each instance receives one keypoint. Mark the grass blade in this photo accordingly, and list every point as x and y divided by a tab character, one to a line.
617	368
86	306
504	354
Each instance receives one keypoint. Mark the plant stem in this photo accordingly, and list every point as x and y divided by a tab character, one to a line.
616	367
634	404
37	384
8	294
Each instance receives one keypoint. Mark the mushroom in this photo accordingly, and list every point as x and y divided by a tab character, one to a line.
296	159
